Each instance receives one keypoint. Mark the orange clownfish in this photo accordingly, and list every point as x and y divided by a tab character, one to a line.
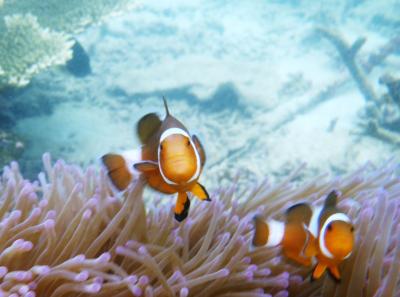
323	233
170	159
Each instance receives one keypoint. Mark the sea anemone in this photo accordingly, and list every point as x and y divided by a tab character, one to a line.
69	234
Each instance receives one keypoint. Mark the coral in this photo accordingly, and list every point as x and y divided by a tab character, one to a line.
381	115
375	130
376	58
26	48
348	54
393	86
35	34
68	16
68	234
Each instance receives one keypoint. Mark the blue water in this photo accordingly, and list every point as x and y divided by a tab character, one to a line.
261	87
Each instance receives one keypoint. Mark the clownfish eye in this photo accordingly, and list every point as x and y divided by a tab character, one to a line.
352	229
188	142
330	227
161	147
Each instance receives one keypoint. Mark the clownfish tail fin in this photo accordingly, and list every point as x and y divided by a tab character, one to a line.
269	233
261	232
166	105
117	170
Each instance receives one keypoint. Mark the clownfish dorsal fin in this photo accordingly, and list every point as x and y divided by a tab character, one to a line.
166	106
331	199
299	213
147	126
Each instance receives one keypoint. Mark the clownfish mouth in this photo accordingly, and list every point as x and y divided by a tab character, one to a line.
343	253
178	170
177	160
178	163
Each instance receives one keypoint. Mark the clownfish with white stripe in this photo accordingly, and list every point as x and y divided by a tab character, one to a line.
170	159
323	233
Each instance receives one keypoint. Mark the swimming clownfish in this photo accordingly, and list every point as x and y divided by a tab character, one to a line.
324	233
170	159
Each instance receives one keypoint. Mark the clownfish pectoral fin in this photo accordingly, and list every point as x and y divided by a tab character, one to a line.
311	248
200	149
117	170
200	192
331	199
334	272
146	166
318	271
298	258
148	126
261	232
299	213
182	206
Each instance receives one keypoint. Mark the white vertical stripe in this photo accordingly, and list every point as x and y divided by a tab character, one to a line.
276	231
172	131
314	222
131	157
197	173
179	131
321	240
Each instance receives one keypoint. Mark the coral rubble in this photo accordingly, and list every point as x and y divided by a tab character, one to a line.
382	113
348	54
68	234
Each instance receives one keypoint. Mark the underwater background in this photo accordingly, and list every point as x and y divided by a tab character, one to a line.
258	81
291	99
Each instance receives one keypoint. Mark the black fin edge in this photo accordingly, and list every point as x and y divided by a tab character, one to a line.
331	199
205	191
183	215
312	279
294	206
337	280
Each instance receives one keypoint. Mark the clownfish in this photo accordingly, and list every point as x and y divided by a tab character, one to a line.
323	233
170	159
